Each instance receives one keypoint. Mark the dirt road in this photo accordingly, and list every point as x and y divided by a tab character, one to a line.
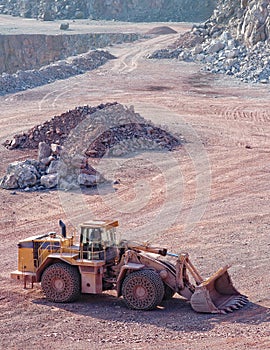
211	198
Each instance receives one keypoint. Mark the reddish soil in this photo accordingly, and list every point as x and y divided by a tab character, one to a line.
210	198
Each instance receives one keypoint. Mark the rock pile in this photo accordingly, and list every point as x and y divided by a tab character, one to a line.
162	30
234	41
55	130
23	80
117	130
51	170
68	144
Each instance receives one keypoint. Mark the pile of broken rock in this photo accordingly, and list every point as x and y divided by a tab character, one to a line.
234	41
69	143
53	168
63	69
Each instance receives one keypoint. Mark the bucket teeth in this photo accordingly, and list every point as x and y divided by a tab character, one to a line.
229	309
241	300
234	304
235	307
241	303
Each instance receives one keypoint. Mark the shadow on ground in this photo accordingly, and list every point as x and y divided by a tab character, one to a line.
175	314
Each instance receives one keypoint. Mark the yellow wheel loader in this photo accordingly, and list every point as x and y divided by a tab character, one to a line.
138	272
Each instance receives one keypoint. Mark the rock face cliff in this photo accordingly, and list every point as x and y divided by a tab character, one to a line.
23	52
234	41
124	10
247	20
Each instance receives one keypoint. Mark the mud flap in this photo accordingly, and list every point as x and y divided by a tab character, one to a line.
217	294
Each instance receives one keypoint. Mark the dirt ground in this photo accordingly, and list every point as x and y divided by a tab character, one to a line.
210	198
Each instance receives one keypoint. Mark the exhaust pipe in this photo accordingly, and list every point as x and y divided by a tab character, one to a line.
63	228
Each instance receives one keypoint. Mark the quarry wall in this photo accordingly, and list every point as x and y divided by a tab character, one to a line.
124	10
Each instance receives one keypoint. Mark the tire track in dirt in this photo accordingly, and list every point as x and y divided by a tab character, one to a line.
128	60
238	116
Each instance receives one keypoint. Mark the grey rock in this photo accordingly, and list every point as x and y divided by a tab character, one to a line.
120	10
47	16
21	174
183	56
54	167
232	44
225	36
197	49
117	151
49	180
44	150
230	63
66	185
26	178
48	67
200	57
64	26
79	15
209	59
56	149
78	161
216	47
232	53
72	166
46	161
88	180
9	182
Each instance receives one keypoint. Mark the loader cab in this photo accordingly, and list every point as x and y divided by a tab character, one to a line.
98	240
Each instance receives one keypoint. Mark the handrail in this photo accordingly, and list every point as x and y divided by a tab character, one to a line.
43	249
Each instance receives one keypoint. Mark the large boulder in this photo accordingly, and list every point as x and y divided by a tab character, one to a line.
54	167
9	182
21	175
49	180
27	178
44	150
216	46
88	180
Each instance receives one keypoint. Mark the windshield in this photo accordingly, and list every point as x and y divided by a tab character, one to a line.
107	237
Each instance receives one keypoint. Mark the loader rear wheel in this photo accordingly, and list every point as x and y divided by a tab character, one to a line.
61	283
143	290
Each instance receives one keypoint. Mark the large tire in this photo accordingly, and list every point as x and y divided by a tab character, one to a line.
61	283
143	290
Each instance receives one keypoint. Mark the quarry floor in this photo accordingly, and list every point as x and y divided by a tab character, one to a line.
210	198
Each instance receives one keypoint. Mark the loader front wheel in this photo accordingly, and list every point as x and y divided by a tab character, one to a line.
61	283
143	290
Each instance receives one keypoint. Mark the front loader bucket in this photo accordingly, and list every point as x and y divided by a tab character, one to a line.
217	294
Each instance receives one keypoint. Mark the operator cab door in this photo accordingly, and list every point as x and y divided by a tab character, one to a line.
98	243
91	243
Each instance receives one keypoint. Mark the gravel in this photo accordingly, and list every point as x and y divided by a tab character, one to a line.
63	69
